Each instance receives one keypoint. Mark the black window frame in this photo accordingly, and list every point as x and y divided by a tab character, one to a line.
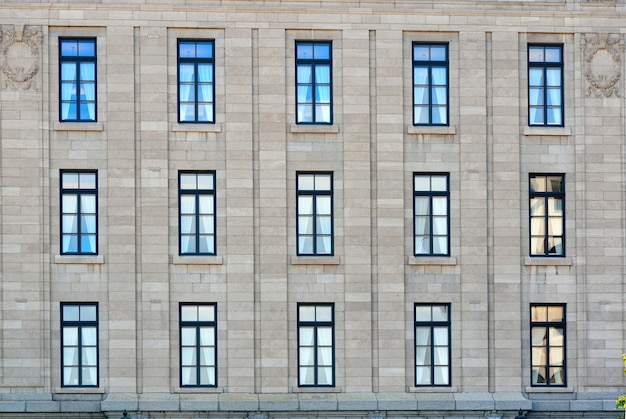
546	196
316	324
548	346
195	61
197	325
314	193
430	194
430	64
545	66
432	324
197	193
79	192
80	325
78	60
313	63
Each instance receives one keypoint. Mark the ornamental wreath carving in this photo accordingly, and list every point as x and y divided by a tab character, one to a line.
19	56
603	64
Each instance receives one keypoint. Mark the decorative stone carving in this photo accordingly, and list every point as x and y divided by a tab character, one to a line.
603	64
19	56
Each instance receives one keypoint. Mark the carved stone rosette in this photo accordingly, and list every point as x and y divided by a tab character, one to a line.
603	64
20	48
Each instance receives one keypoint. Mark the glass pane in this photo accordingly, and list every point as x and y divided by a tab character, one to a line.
322	95
188	336
439	96
537	226
206	313
422	313
70	336
188	376
207	356
324	313
441	375
322	183
539	355
440	336
420	96
187	224
422	245
553	54
69	180
306	334
537	246
70	244
322	75
535	54
438	53
207	376
324	246
422	336
321	51
535	78
440	245
204	50
87	181
307	313
538	336
307	376
205	181
306	182
207	336
88	224
206	224
323	205
90	358
555	245
322	113
555	313
305	74
440	313
422	184
188	180
325	376
324	336
325	356
557	375
69	48
537	206
87	73
188	314
422	355
305	93
555	226
553	77
304	51
70	376
70	224
440	183
186	49
90	376
420	78
556	337
70	356
188	355
422	376
89	336
70	313
441	355
556	356
305	245
440	205
87	48
323	226
421	52
307	356
305	225
538	375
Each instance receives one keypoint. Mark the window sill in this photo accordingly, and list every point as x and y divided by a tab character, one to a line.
191	127
195	390
430	129
431	260
79	390
432	389
316	390
79	259
78	126
314	129
315	260
548	389
548	131
197	260
547	261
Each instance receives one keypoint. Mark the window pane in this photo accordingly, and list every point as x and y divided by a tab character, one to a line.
307	313
188	313
440	313
321	51
325	376
305	74
422	313
422	355
422	376
70	335
557	375
422	336
324	336
438	53
306	333
207	336
204	49
304	50
307	356
188	376
307	376
441	375
538	336
206	313
89	336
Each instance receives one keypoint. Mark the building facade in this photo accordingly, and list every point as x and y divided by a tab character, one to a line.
296	209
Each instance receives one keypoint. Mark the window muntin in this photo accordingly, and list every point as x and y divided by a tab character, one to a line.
545	85
196	213
316	345
431	214
547	215
196	81
432	345
430	84
79	344
79	212
547	336
314	82
198	345
315	214
77	82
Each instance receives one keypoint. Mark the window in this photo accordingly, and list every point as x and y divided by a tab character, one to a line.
198	345
78	79
197	213
196	87
316	342
547	215
430	84
79	337
547	335
315	214
545	85
79	212
431	215
313	83
432	344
